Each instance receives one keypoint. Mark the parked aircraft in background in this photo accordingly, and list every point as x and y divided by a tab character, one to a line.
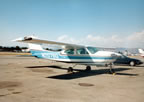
71	53
25	50
141	52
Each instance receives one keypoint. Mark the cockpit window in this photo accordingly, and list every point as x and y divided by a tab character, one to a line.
81	51
69	51
92	50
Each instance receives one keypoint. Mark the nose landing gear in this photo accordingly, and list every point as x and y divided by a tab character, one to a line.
111	71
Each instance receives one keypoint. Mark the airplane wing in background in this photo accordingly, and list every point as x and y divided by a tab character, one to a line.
34	40
141	51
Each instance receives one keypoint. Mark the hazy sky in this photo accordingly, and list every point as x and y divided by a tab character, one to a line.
105	23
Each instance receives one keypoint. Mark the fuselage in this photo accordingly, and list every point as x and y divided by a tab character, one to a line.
77	56
71	53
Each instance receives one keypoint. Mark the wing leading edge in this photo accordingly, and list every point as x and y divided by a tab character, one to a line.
31	39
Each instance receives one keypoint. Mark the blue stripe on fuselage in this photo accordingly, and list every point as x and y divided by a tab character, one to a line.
57	55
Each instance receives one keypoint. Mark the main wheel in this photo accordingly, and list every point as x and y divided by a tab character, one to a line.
70	69
88	68
132	63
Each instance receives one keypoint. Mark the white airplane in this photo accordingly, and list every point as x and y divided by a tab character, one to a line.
141	52
71	53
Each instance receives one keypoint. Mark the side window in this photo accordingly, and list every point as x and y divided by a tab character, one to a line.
69	51
81	51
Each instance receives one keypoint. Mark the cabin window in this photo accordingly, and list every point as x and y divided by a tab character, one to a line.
92	50
69	51
81	51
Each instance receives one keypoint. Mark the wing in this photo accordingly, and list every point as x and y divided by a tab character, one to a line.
31	39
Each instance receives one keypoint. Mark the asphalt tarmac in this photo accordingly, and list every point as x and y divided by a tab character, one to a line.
27	79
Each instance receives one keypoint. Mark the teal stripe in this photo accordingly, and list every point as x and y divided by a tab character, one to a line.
57	55
83	57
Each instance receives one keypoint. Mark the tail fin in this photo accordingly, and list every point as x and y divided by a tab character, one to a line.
141	51
34	47
36	50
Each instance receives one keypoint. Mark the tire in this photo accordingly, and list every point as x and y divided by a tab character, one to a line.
88	68
132	63
106	65
70	69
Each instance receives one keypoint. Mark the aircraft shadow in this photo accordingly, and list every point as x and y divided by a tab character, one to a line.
81	74
78	73
53	66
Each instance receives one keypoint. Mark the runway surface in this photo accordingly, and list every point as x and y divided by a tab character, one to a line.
27	79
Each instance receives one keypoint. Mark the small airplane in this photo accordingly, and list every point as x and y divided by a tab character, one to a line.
71	53
141	52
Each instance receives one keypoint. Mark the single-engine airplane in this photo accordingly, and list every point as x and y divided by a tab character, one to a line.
71	53
141	52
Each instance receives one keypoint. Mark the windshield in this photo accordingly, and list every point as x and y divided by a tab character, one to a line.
92	50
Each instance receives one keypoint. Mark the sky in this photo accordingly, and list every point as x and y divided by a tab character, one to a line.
100	23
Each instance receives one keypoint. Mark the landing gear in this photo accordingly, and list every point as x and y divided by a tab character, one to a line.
70	70
88	68
111	71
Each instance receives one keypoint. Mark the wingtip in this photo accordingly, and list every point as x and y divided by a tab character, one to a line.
16	40
23	38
